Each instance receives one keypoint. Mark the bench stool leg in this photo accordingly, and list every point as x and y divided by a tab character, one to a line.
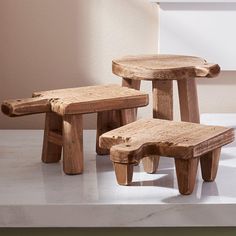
124	173
73	144
186	171
106	121
209	165
163	109
51	151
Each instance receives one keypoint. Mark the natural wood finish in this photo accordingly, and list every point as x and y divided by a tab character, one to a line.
184	141
163	67
130	115
163	109
188	100
77	100
209	165
162	99
25	106
124	173
52	146
186	171
106	121
73	144
150	163
128	144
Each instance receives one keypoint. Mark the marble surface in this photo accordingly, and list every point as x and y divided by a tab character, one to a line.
33	194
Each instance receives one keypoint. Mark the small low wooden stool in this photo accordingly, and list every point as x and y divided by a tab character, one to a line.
64	125
186	142
162	70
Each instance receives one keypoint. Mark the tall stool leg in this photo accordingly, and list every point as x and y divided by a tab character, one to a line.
186	171
188	100
73	144
134	84
162	109
51	151
106	121
209	165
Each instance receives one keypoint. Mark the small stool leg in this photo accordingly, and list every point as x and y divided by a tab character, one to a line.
188	100
162	109
130	114
73	144
106	121
186	171
209	165
51	152
124	173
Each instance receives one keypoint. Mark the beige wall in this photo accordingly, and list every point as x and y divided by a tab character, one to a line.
46	44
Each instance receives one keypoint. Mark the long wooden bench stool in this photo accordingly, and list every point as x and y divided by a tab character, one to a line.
161	70
64	125
185	142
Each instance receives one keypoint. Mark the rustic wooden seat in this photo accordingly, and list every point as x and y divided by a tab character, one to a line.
63	124
186	142
162	70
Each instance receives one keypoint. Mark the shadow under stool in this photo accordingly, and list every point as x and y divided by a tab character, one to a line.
64	110
161	70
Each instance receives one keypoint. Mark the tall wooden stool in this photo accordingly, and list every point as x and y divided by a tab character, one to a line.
162	70
185	142
64	125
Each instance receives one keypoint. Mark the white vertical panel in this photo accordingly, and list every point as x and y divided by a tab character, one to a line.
202	29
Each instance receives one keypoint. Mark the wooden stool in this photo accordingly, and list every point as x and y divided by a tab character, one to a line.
186	142
162	70
63	124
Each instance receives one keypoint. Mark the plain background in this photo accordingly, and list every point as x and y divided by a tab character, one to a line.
50	44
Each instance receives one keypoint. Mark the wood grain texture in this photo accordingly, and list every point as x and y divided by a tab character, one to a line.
162	91
188	100
209	165
25	106
77	100
130	143
106	121
163	67
162	99
130	115
73	144
124	173
186	171
52	146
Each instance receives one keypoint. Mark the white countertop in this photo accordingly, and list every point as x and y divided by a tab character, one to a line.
33	194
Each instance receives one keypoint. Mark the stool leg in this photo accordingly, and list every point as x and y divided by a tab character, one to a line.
186	171
106	121
162	109
124	173
162	99
73	144
51	152
130	114
188	100
209	165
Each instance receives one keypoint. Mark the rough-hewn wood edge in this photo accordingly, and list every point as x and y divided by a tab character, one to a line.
95	106
207	70
25	106
218	141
